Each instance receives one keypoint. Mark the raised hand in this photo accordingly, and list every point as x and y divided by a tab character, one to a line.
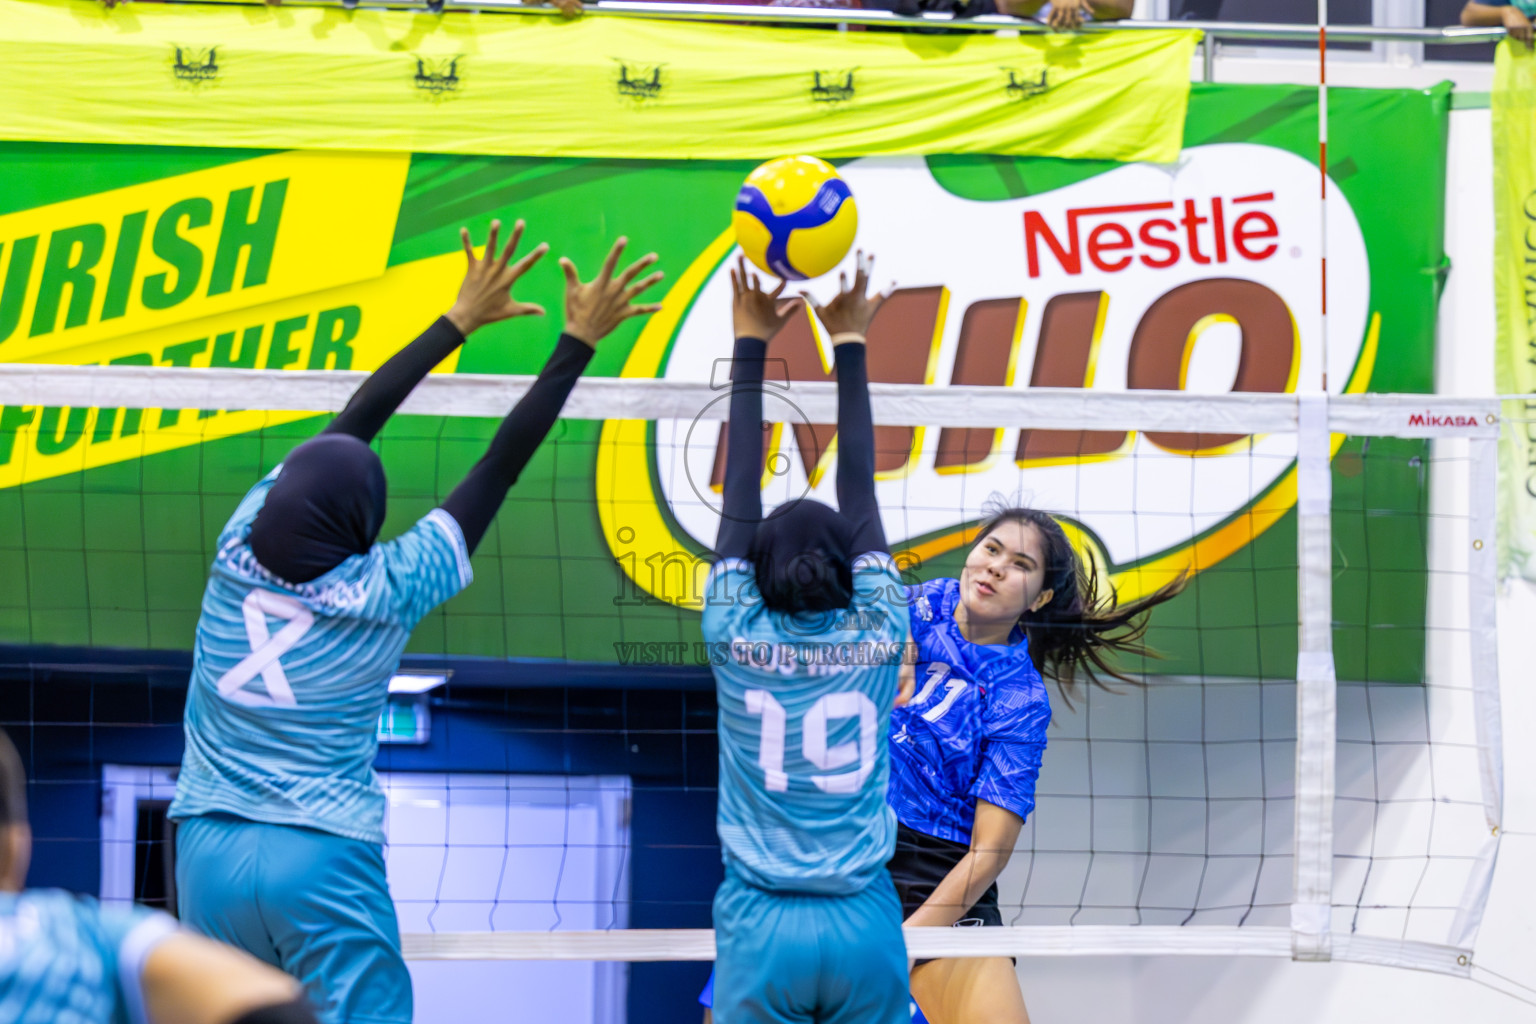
486	294
594	309
754	312
851	310
1069	14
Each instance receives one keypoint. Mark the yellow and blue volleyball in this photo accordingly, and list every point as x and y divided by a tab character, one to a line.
795	217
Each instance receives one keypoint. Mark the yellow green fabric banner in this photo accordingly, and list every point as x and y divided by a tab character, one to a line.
535	85
1514	255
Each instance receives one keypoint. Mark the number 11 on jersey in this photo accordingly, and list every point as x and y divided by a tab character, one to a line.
937	672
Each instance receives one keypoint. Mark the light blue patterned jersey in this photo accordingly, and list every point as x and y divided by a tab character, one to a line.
975	729
288	680
66	959
804	702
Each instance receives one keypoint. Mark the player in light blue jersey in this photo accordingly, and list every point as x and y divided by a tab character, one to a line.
807	620
966	750
66	959
303	623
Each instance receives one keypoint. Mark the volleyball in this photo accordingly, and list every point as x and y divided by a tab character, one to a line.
795	217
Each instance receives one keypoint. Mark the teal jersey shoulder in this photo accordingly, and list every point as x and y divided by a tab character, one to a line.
805	701
66	959
288	680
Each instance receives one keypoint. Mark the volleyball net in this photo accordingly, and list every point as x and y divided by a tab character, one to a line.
1311	768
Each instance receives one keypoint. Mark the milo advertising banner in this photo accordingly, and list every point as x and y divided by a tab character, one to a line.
1196	269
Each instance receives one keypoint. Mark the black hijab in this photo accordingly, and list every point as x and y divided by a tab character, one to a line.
325	506
803	559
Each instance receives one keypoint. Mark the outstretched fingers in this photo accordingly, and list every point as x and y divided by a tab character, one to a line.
741	278
862	266
593	309
490	244
634	269
606	274
520	268
527	309
641	310
878	299
517	236
641	285
485	296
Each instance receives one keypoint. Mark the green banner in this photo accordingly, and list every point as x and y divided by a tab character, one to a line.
1201	274
1514	256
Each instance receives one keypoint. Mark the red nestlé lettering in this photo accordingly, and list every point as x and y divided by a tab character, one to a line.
1217	230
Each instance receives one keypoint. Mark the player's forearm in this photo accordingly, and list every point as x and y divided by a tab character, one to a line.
856	449
188	979
743	504
1110	10
376	400
966	883
1476	15
475	502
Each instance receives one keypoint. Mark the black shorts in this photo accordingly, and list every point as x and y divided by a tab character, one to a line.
920	864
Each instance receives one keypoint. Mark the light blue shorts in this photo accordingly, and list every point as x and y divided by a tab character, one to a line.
796	958
312	903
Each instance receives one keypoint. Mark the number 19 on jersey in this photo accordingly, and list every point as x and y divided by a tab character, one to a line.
814	728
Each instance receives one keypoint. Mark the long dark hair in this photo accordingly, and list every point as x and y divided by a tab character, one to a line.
1079	630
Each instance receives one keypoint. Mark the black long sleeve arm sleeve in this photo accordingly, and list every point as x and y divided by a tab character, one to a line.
477	499
744	453
380	395
856	450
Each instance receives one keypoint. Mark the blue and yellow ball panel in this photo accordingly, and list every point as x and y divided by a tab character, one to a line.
795	217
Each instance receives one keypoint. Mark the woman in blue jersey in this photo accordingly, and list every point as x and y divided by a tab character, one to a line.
966	750
303	623
67	958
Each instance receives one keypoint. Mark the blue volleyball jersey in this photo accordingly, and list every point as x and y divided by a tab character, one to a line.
975	728
66	959
804	705
288	680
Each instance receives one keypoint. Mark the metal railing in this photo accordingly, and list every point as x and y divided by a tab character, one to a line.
758	14
1215	32
670	9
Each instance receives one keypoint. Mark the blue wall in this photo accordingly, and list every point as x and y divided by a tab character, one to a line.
69	713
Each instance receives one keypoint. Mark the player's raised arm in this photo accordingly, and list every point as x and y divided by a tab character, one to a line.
756	316
592	311
847	319
485	297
